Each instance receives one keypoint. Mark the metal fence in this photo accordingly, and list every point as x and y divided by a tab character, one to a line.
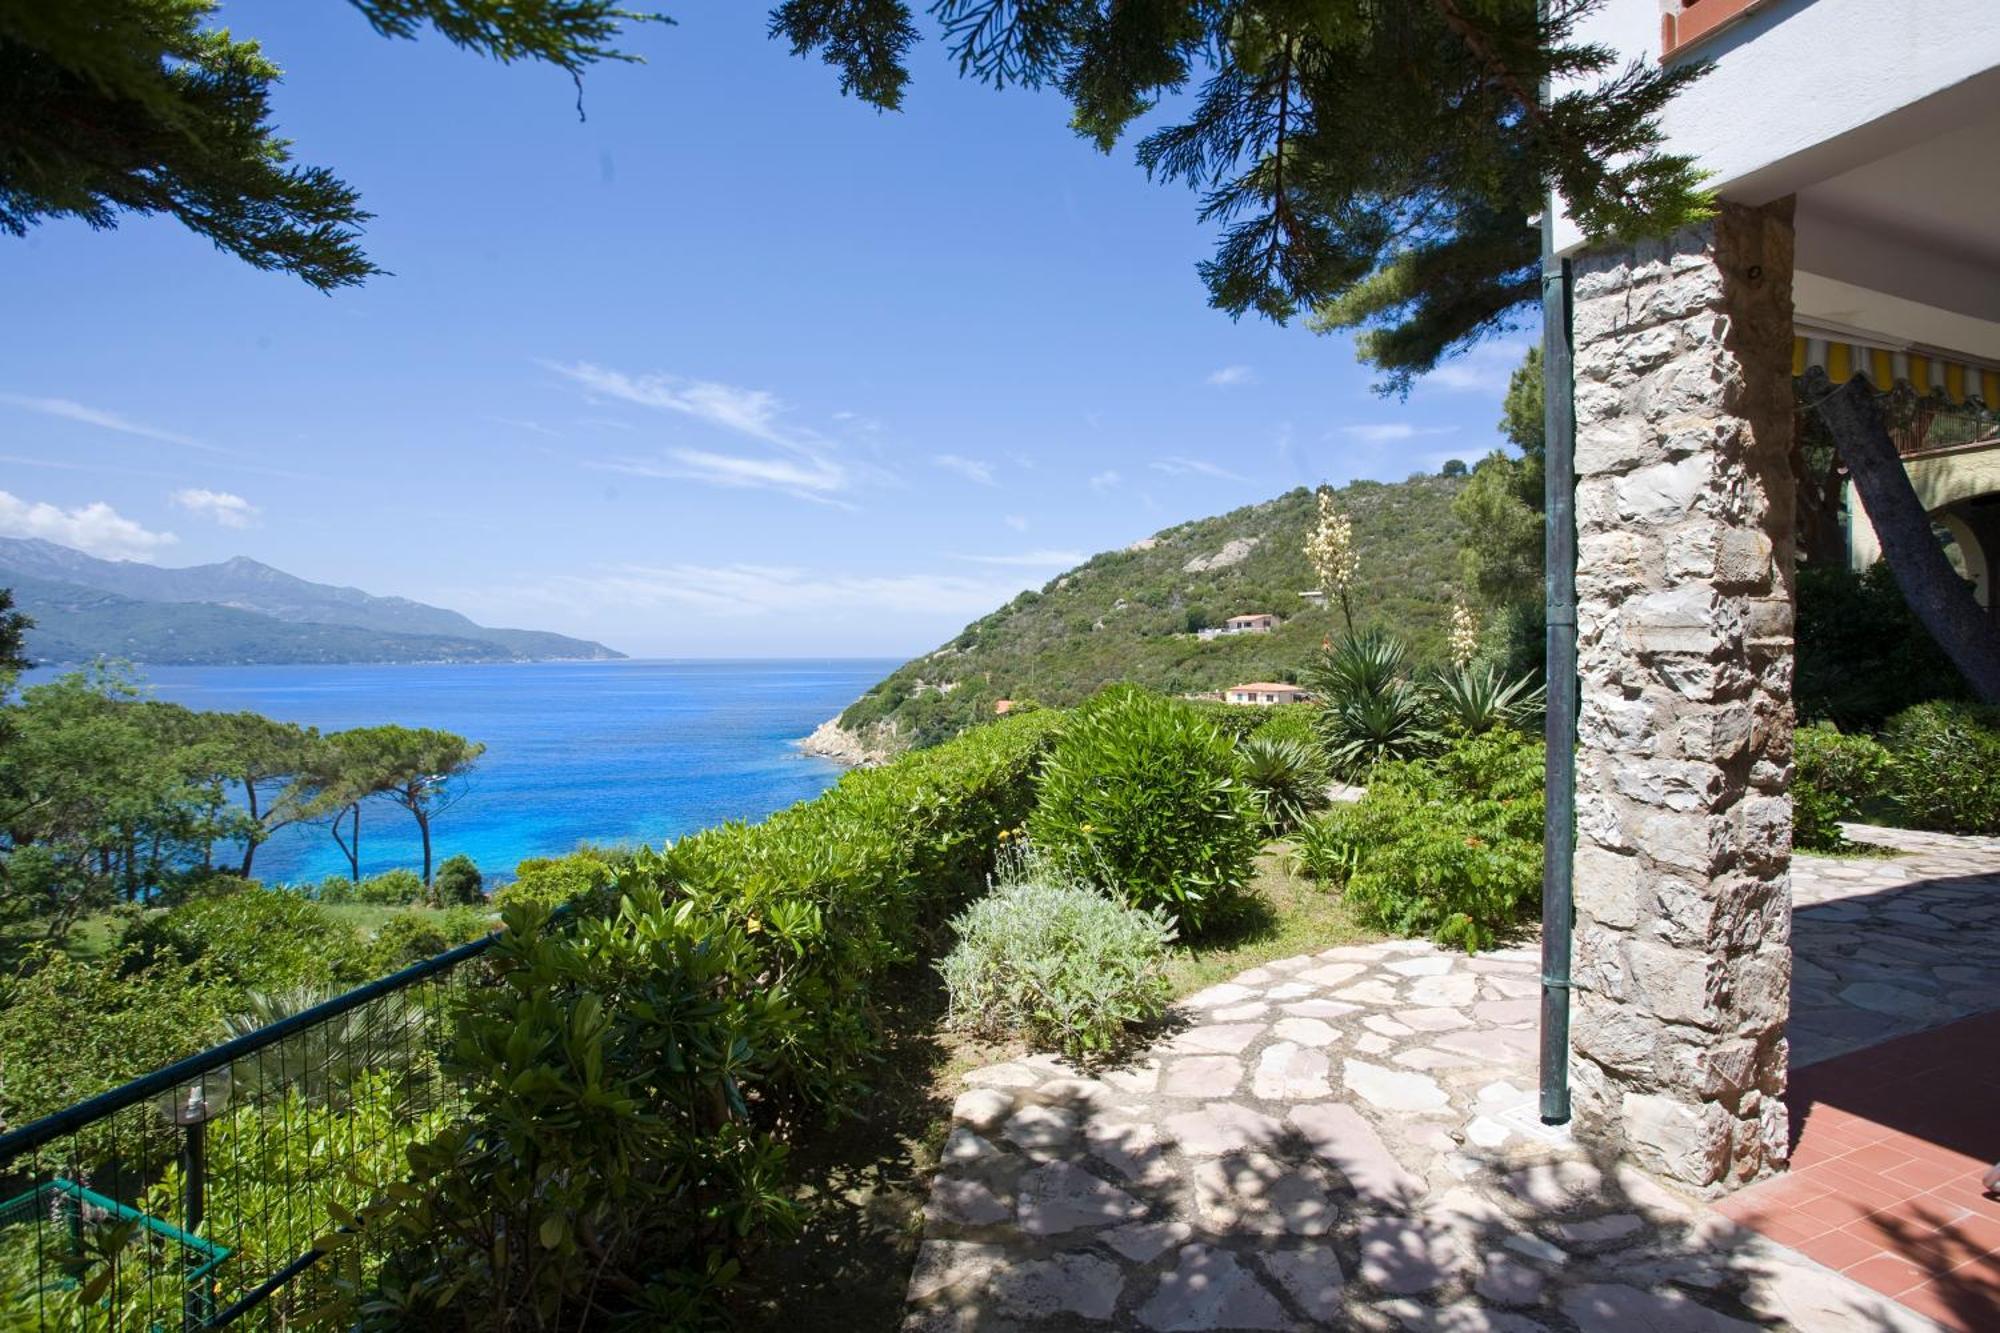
195	1197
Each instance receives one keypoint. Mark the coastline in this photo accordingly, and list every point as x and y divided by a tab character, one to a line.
829	740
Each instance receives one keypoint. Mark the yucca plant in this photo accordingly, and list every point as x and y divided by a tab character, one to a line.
1474	699
1371	710
1287	777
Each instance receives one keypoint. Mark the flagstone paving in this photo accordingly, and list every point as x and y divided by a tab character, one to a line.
1350	1139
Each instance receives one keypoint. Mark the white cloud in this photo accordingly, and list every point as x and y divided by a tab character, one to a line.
95	529
96	416
756	414
1384	432
532	427
751	412
1485	368
746	591
1030	559
1184	467
1231	377
231	511
1018	522
1107	480
969	468
817	479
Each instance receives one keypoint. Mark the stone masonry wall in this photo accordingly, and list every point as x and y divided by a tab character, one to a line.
1684	627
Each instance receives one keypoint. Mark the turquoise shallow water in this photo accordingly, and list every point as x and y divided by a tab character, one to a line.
605	751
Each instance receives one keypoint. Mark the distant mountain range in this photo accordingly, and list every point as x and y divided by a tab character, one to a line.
241	611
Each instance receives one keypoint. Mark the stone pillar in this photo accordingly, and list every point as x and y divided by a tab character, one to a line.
1684	627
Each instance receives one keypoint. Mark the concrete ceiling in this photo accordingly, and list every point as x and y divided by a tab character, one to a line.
1907	245
1942	194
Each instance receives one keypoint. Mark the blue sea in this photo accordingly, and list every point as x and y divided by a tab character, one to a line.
598	751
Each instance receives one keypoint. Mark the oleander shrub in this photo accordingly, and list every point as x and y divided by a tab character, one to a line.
253	939
1449	847
1287	778
1945	774
1145	797
1058	962
1834	777
458	883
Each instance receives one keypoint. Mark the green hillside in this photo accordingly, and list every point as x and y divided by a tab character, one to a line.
1130	615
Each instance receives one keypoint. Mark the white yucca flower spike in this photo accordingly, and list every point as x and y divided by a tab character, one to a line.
1330	549
1464	635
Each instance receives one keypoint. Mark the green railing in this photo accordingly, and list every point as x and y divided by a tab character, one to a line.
197	1196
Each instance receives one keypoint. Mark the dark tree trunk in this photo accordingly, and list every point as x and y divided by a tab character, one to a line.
256	826
351	850
1936	594
424	827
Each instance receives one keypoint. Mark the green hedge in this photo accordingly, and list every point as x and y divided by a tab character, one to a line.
1834	777
1945	773
635	1081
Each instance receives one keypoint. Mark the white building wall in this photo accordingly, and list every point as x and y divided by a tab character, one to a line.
1803	89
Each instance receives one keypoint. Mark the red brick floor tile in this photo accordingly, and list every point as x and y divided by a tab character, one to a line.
1890	1274
1925	1172
1793	1229
1836	1210
1954	1305
1841	1249
1889	1145
1881	1158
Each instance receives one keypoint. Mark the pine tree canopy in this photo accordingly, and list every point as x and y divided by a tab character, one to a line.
110	107
1376	164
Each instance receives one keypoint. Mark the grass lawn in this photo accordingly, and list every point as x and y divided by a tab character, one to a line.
867	1178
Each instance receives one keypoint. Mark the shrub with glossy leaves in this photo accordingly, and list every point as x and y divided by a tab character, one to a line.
1450	848
1946	774
1058	962
1146	798
1833	777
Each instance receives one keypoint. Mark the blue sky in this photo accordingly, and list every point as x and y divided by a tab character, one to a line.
736	366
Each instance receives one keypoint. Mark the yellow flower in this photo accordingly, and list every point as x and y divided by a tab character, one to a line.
1090	828
754	926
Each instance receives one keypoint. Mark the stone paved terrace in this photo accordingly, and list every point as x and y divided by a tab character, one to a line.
1351	1140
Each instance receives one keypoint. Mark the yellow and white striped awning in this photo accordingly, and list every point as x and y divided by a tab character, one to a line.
1927	374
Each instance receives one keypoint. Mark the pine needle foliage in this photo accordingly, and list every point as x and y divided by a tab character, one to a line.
118	107
1374	164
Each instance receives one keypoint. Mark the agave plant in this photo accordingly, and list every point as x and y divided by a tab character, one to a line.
1474	699
1371	711
1287	777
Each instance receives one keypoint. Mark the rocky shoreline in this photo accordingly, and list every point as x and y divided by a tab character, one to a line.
830	740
